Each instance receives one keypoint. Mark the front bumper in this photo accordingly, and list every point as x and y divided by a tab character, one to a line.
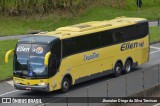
44	88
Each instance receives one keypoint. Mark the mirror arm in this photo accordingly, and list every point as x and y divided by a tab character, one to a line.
46	58
7	55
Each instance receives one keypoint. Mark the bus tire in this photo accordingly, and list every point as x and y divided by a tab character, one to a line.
66	84
118	69
128	66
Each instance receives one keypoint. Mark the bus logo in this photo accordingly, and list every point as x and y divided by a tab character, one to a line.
22	49
38	50
91	57
128	45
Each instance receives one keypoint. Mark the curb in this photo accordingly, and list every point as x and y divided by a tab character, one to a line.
155	42
7	79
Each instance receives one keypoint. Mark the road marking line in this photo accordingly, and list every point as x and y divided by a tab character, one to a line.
8	93
10	82
157	104
42	104
153	47
155	69
154	52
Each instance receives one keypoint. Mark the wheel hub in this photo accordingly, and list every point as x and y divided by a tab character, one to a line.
118	69
65	84
128	67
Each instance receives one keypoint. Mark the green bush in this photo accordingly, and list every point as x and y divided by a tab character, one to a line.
18	7
27	7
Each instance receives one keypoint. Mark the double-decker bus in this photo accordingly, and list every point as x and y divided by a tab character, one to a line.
70	55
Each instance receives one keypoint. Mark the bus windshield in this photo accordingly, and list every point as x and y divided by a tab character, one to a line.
29	60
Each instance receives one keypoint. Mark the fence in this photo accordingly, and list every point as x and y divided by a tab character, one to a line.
122	86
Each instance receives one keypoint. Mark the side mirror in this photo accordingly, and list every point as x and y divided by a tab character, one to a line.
7	55
46	58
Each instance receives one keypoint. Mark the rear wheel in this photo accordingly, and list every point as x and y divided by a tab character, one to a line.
128	66
66	84
118	69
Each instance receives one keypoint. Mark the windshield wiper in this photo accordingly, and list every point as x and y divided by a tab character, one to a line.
28	64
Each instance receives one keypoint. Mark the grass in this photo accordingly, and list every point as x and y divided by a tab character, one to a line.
48	22
6	69
154	34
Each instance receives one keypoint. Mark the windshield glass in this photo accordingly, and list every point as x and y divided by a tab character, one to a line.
29	60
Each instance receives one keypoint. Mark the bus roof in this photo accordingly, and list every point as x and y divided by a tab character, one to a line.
38	39
93	26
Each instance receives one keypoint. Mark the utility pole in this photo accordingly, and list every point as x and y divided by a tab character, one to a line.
159	26
139	4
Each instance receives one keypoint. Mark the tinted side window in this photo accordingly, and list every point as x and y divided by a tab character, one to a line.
68	47
55	58
56	49
118	35
75	45
53	65
142	29
94	40
130	33
81	43
106	38
136	31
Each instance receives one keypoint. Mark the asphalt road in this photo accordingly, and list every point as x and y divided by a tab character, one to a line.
7	90
12	37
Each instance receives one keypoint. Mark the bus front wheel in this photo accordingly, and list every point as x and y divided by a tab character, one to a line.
118	69
66	84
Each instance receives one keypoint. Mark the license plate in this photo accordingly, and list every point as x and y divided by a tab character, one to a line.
28	88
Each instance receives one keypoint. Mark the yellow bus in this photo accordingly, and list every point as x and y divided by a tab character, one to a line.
70	55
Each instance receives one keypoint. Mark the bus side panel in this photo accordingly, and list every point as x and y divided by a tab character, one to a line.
106	64
82	70
138	54
77	67
55	82
145	55
142	54
85	71
146	50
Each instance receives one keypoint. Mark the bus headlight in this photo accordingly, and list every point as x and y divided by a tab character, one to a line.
42	84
